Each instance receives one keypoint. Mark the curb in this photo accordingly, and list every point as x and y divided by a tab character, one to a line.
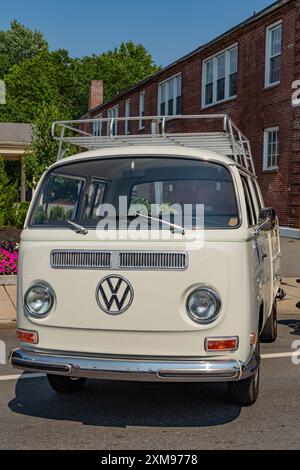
8	325
10	280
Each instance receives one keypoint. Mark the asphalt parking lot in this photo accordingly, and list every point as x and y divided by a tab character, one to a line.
111	415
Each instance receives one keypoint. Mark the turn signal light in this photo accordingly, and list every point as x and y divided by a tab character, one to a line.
26	336
222	344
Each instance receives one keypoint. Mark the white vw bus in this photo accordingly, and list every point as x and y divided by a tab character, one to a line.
149	258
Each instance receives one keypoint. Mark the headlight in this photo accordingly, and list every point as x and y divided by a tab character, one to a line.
39	300
203	305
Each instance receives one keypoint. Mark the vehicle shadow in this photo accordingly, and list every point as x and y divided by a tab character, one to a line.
122	404
293	324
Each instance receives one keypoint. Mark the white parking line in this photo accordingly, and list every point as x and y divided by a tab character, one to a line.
36	376
284	354
21	376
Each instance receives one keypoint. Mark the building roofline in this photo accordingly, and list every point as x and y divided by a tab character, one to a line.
269	9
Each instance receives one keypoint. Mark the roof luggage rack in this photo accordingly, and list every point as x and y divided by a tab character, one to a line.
159	131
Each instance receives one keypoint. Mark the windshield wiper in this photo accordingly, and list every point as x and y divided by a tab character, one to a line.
172	226
77	228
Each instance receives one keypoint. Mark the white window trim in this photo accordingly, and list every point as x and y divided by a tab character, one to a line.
141	95
114	108
99	124
265	155
267	53
227	74
175	96
127	115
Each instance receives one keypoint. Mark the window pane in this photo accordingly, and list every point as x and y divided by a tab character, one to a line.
178	85
162	109
275	69
169	180
233	60
178	105
58	200
275	41
163	93
127	114
272	148
170	89
187	186
233	84
170	107
209	71
94	199
221	66
209	93
221	89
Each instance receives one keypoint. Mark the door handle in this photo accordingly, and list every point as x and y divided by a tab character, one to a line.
264	256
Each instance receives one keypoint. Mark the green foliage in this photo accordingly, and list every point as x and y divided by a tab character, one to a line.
57	213
8	197
44	86
17	44
43	150
19	213
40	216
119	69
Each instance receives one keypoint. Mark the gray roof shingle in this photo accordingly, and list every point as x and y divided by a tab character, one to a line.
15	132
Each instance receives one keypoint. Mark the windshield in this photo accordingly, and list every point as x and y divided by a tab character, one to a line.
80	192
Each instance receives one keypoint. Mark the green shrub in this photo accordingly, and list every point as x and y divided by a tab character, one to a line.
40	216
20	212
8	197
57	213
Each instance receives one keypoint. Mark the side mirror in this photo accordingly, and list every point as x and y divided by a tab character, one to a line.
267	219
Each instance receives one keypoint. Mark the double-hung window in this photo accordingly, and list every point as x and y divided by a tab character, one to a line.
142	110
97	126
273	54
271	148
127	115
169	96
219	81
113	113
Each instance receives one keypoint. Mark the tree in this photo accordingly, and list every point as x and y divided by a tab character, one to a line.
8	196
119	69
17	44
43	86
43	150
45	79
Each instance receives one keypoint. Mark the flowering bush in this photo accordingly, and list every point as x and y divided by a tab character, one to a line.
9	246
8	258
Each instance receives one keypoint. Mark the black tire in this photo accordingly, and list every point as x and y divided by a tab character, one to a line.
245	392
269	332
62	384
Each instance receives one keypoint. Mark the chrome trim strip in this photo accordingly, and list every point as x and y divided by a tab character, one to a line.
205	370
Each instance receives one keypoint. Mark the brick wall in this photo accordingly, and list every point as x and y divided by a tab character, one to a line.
255	107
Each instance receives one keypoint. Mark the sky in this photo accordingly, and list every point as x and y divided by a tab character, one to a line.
167	28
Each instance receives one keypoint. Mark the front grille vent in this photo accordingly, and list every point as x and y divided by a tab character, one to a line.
80	259
153	260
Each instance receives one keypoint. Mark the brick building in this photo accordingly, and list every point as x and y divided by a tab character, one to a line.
247	73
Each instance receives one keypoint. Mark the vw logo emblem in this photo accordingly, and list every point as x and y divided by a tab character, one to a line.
114	294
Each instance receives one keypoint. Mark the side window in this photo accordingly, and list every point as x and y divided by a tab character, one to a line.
249	202
258	195
254	194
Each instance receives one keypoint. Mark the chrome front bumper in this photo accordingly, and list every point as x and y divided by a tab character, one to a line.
116	368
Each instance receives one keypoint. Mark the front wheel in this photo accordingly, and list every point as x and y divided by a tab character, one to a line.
62	384
245	392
